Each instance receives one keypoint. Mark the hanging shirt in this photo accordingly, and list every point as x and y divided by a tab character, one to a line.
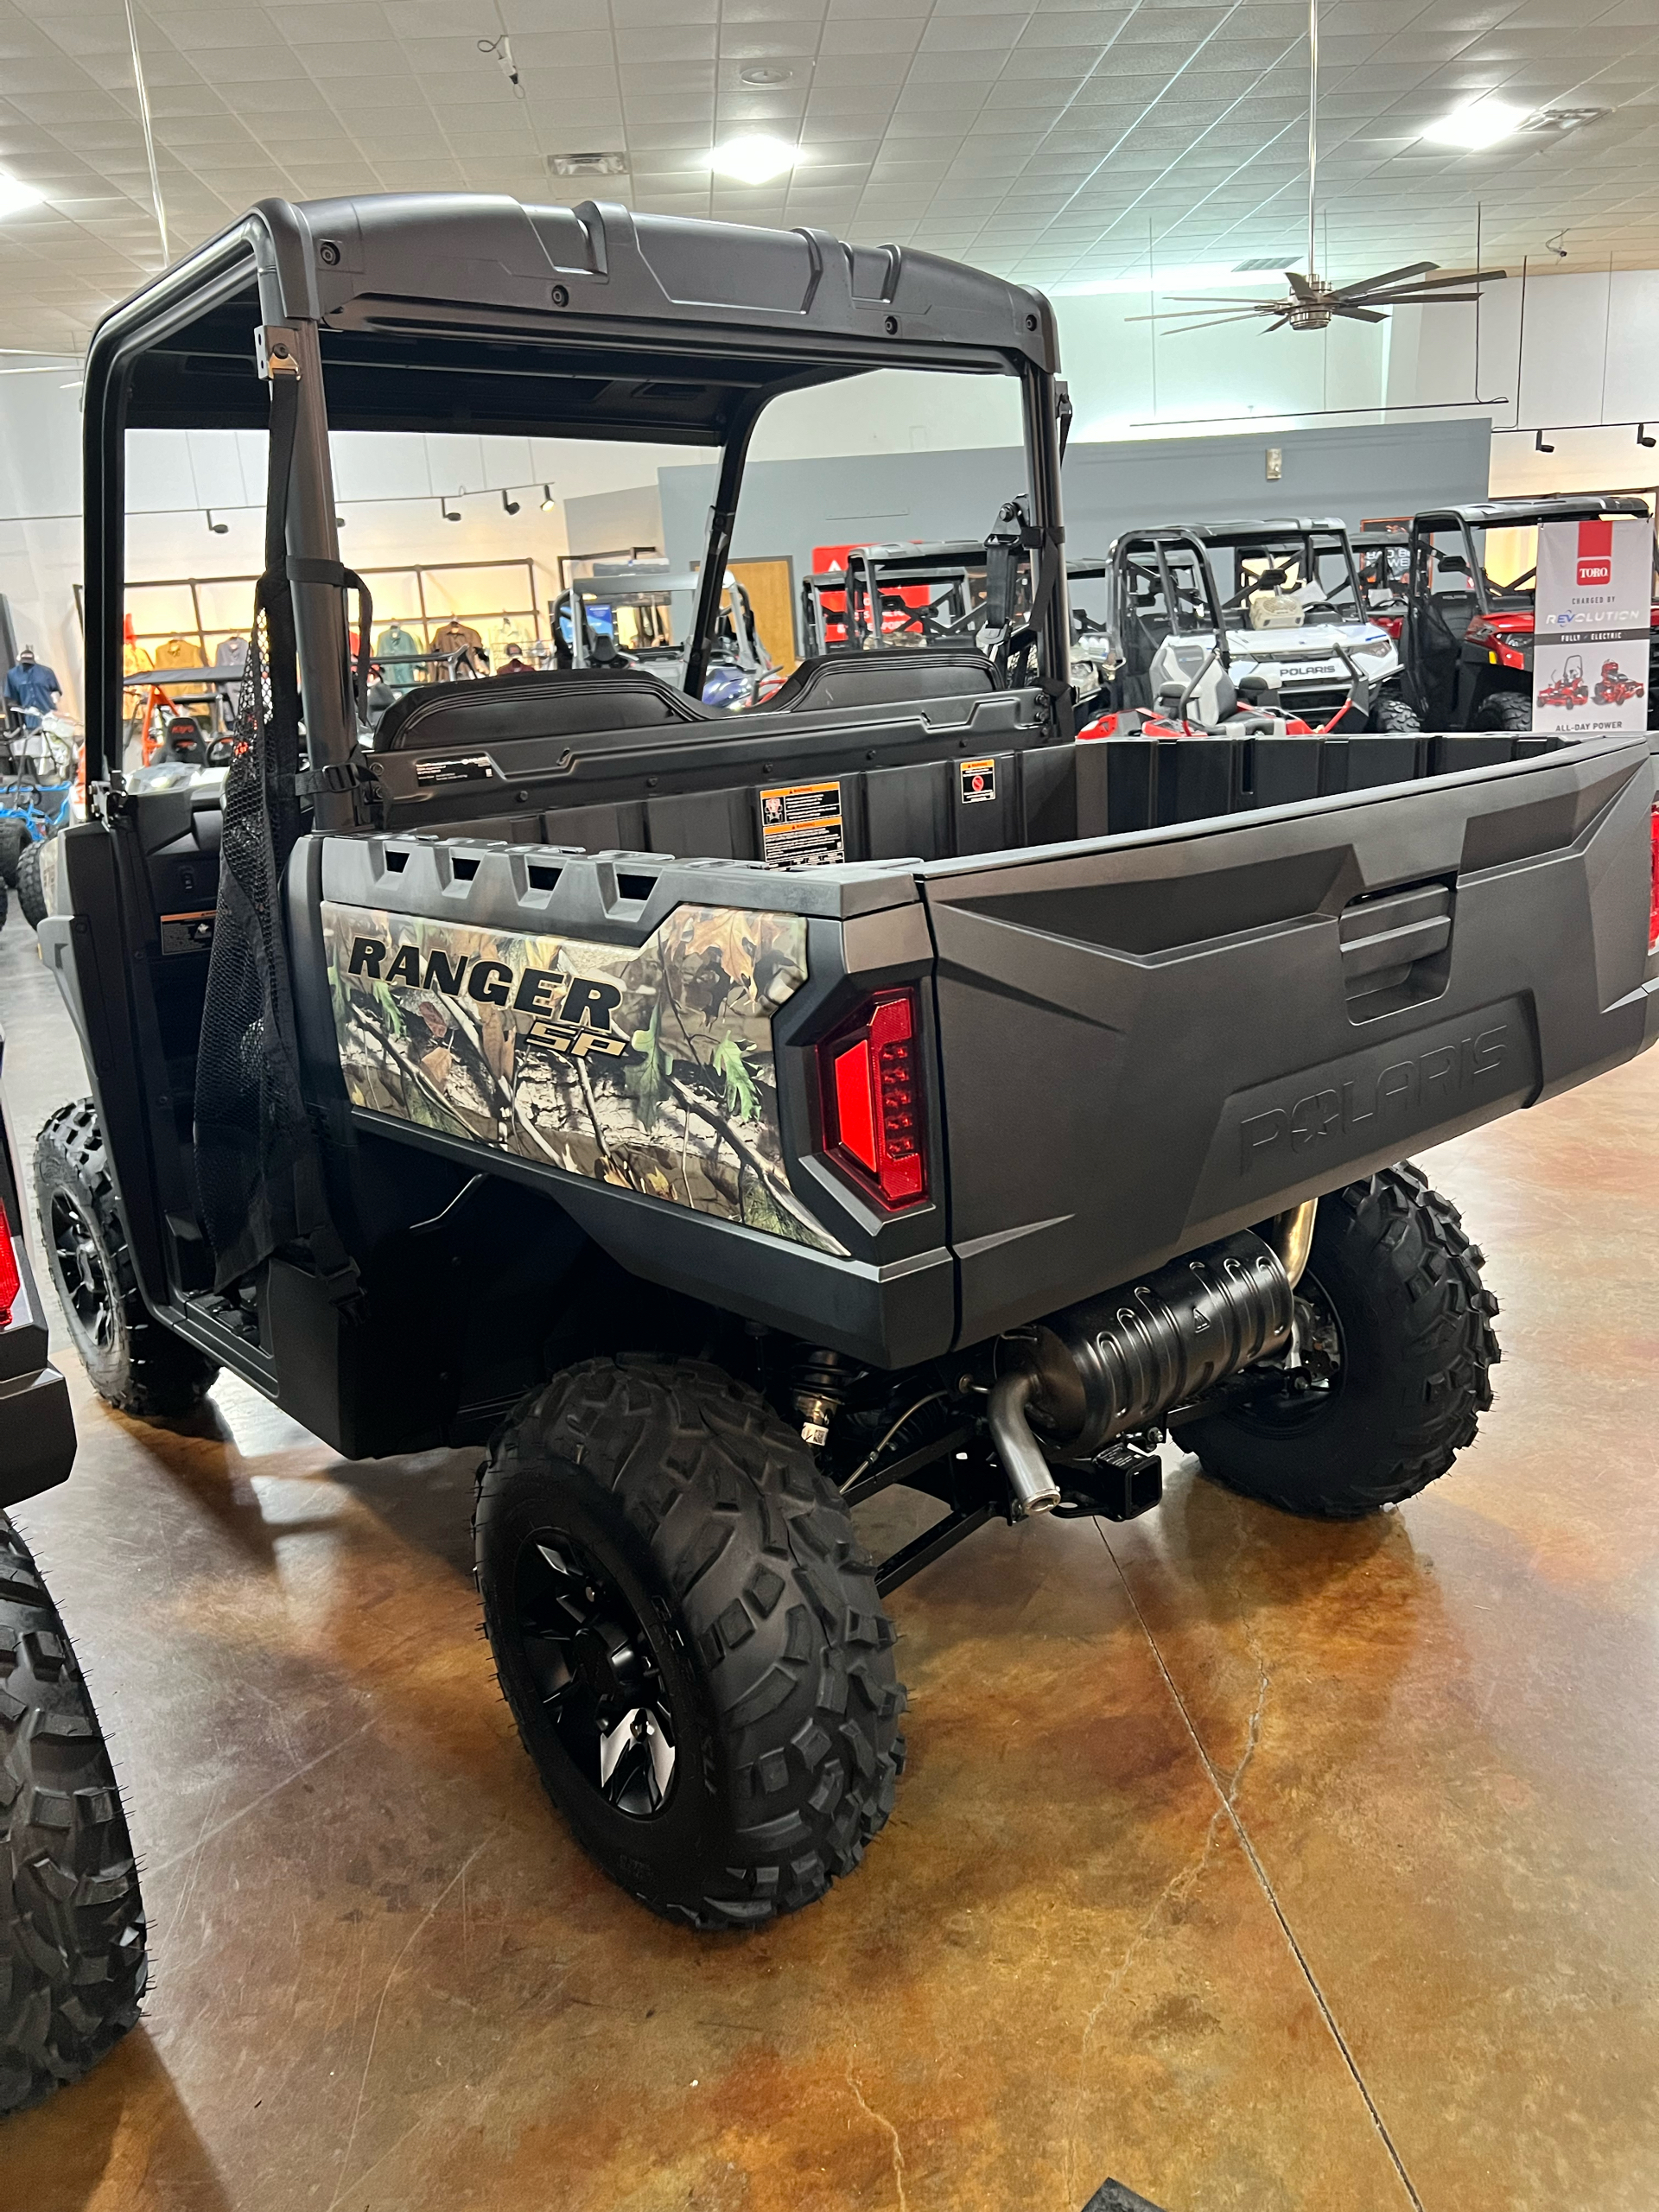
179	652
461	638
397	650
33	687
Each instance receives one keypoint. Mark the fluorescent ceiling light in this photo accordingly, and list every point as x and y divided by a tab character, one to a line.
756	160
15	194
1476	125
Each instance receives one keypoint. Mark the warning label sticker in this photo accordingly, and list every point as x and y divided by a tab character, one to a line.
978	781
456	768
801	825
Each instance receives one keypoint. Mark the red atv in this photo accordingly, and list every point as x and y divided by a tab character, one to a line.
1569	689
1615	688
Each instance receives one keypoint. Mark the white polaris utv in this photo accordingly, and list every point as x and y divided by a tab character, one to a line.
1255	617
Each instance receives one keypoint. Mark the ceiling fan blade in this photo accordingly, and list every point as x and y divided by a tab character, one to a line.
1420	299
1389	277
1355	313
1230	307
1209	300
1212	322
1300	284
1381	287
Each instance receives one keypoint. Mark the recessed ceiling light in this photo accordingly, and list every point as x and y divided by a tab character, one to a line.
764	76
15	195
753	161
588	164
1476	125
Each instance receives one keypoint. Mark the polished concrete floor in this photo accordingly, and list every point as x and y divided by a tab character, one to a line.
1256	1864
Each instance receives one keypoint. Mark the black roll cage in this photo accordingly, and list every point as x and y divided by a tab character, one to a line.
429	311
1503	514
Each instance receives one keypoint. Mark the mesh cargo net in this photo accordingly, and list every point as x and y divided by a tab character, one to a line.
254	1142
259	1166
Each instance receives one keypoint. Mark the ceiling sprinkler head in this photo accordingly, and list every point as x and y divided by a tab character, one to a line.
764	75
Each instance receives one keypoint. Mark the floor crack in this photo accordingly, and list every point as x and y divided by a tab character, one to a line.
1179	1883
1229	1811
892	2133
1263	1671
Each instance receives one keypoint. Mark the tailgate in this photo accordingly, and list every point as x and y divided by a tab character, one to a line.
1152	1040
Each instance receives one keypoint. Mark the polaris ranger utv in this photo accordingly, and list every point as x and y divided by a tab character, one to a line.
728	1117
1252	617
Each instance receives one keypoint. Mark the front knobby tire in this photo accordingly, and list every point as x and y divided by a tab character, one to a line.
1392	713
688	1635
72	1923
1396	1326
131	1358
1510	710
31	892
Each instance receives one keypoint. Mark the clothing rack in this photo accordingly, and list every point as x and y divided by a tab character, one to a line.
422	615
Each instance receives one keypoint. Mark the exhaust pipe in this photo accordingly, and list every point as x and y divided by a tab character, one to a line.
1113	1364
1034	1488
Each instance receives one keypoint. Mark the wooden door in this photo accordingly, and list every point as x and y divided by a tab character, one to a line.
770	587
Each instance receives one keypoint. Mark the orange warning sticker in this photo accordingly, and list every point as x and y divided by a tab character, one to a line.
801	825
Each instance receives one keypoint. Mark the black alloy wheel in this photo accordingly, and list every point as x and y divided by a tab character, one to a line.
590	1658
133	1360
83	1279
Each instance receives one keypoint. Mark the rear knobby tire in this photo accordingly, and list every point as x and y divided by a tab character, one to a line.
1508	710
31	892
1392	1268
131	1359
72	1924
14	837
704	1522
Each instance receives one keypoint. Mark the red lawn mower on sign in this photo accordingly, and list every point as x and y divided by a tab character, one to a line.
1569	689
1615	688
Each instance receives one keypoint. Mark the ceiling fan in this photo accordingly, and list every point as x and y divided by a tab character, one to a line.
1314	302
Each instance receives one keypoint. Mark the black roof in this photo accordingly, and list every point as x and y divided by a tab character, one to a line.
1231	533
1515	514
469	311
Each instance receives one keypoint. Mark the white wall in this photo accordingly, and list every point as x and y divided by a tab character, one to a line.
1127	382
39	477
1591	355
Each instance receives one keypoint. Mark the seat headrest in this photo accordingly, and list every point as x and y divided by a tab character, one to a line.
880	679
553	702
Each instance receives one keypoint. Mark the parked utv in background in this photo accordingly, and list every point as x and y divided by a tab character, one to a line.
572	1069
72	1924
1262	617
1466	638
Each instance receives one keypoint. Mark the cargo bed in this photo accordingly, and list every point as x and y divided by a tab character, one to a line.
1132	1042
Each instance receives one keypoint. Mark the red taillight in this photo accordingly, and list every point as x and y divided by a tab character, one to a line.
872	1120
10	1281
1653	896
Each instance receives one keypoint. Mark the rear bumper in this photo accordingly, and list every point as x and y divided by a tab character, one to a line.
37	1435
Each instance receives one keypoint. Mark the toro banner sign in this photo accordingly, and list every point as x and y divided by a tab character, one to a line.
1589	634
